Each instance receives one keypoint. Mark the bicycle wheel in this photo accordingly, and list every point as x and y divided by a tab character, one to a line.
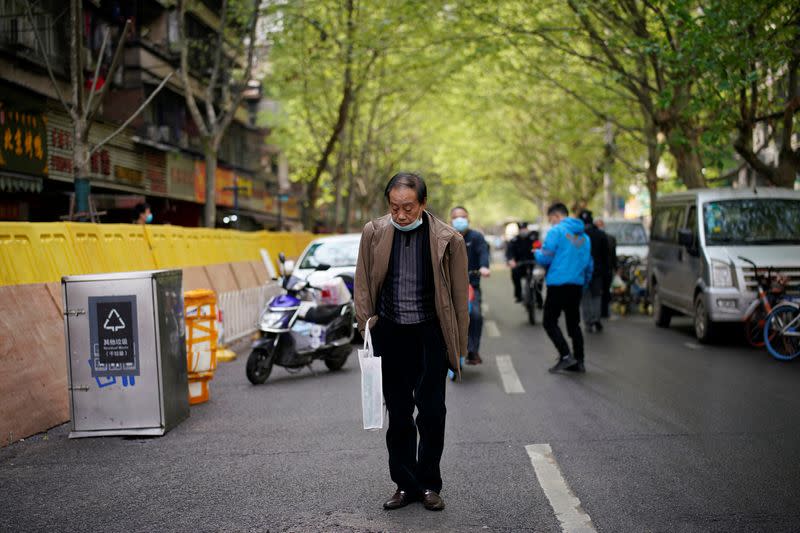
531	312
782	332
754	327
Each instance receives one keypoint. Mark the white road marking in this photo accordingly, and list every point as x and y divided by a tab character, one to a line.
508	375
692	346
491	328
566	505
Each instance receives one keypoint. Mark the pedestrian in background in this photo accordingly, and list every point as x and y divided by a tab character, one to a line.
592	301
519	249
612	259
143	214
478	265
411	287
566	253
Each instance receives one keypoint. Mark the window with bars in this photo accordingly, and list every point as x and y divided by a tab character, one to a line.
18	34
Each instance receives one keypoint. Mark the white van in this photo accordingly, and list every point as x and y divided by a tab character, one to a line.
697	242
631	237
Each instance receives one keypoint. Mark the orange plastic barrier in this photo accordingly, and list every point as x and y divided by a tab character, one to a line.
200	311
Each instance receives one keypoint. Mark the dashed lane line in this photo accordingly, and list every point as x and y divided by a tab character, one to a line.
565	504
508	375
490	326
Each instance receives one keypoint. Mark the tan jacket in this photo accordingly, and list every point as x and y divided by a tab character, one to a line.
449	276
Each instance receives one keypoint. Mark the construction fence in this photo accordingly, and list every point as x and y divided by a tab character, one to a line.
35	256
44	252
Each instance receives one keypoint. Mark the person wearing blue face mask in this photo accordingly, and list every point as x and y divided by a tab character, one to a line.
143	214
478	266
411	287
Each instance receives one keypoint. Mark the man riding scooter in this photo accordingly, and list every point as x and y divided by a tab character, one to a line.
519	252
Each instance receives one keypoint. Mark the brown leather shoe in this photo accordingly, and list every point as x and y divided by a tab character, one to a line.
400	499
432	501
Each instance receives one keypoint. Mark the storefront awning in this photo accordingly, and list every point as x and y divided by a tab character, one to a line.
12	182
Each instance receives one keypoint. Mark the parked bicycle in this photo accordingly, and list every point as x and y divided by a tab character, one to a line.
629	293
771	289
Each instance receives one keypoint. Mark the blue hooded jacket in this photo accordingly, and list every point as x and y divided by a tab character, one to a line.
567	252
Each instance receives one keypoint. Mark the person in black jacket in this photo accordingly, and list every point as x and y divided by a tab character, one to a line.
519	249
612	258
591	303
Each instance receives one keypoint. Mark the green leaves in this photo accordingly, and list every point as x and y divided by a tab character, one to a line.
513	95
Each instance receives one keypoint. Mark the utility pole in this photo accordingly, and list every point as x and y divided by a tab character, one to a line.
235	190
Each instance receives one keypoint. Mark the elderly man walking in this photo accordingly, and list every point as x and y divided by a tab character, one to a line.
411	287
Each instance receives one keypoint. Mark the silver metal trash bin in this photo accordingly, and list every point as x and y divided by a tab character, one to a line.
126	353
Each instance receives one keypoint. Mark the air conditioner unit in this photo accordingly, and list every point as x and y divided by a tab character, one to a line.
183	140
152	133
165	134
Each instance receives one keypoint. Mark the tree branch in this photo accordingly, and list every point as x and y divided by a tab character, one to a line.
76	58
612	59
115	62
134	115
251	47
753	160
97	72
184	71
212	83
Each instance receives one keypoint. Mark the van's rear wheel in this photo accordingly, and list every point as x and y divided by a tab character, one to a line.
662	315
704	329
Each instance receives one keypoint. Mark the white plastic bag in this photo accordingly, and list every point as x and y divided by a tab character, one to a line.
371	384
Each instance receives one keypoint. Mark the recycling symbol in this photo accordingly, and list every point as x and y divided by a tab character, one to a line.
114	322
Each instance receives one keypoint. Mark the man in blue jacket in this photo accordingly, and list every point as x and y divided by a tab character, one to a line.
567	254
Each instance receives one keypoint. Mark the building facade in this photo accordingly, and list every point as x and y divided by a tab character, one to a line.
158	158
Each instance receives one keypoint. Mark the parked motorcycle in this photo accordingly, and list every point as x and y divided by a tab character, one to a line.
301	325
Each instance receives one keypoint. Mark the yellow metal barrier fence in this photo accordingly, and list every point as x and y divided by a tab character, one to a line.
41	252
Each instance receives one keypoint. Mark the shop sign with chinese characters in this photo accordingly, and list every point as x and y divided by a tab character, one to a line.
23	134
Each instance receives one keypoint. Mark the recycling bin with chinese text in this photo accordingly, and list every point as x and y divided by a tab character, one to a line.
126	353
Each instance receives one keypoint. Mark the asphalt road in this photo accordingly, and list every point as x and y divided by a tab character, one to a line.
659	435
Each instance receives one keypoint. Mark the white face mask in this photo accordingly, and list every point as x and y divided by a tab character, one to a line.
414	225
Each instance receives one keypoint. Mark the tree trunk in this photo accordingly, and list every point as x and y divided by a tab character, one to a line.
210	209
688	161
338	180
341	120
786	173
608	164
654	151
81	167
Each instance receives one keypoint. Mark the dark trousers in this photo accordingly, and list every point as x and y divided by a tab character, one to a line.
414	370
606	297
475	324
566	298
516	278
